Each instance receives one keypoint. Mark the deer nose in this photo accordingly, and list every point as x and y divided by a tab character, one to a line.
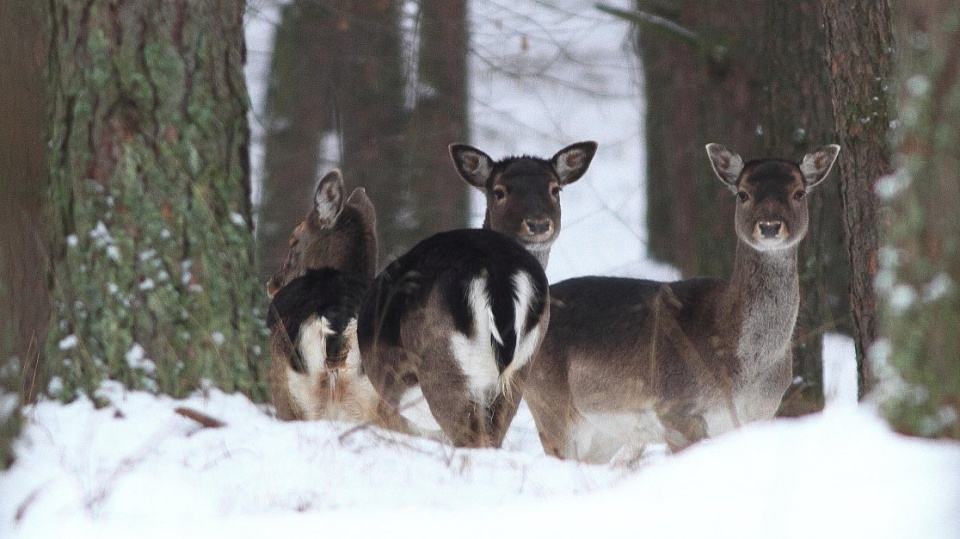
539	226
769	229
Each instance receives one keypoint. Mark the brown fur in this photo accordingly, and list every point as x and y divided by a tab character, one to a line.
675	362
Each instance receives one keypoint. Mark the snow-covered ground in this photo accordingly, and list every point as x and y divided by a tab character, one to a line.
138	469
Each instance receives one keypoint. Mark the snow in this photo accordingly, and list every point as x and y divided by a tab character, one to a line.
136	468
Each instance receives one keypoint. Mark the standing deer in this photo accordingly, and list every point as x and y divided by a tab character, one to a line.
315	370
628	362
450	323
523	193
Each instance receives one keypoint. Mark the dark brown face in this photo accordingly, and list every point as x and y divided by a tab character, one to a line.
523	202
771	205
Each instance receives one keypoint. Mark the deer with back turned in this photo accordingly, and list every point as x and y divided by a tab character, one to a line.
629	362
315	369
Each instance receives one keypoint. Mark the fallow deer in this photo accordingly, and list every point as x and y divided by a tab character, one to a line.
449	324
315	370
523	193
627	362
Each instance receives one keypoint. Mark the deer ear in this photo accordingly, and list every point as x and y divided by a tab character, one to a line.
571	162
328	200
473	165
726	164
815	166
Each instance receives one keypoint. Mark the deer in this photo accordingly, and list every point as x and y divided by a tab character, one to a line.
444	329
315	370
523	193
631	362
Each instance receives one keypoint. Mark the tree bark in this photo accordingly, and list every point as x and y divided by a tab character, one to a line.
920	265
23	182
371	116
699	90
153	274
797	117
299	113
441	200
859	45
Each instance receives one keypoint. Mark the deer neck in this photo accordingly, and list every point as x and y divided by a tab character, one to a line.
761	303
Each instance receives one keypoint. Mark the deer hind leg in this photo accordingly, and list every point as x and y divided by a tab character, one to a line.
504	407
683	426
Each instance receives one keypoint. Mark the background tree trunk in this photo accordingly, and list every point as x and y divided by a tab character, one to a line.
299	113
797	117
920	267
23	182
859	45
439	118
701	88
152	252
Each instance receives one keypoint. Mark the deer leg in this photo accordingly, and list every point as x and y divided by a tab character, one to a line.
683	426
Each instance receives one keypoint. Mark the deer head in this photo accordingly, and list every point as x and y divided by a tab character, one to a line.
335	234
523	193
771	212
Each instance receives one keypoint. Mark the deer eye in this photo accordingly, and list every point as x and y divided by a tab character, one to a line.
499	193
743	196
555	191
799	195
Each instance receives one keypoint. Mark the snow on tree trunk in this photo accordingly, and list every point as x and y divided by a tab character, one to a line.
859	46
152	250
920	257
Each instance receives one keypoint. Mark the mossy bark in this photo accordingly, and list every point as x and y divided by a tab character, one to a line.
920	260
153	270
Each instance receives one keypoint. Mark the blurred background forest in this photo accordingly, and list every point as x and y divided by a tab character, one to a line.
381	88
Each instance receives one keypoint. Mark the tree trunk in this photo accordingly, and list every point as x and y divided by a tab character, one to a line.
441	200
859	45
699	89
920	266
372	120
299	113
797	117
23	182
152	254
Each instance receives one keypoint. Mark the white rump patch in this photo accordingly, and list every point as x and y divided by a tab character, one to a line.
476	355
528	339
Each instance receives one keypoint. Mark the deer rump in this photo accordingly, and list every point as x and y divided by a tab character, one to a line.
454	320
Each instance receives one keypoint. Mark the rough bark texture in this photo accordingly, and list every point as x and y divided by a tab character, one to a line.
152	259
697	93
797	117
859	45
920	262
23	181
441	200
299	113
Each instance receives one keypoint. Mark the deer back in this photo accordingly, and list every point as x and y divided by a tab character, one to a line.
453	321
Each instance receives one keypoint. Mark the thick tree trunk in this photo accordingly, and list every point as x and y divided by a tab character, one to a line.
699	90
441	200
798	117
859	45
152	254
920	267
299	113
372	120
23	182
